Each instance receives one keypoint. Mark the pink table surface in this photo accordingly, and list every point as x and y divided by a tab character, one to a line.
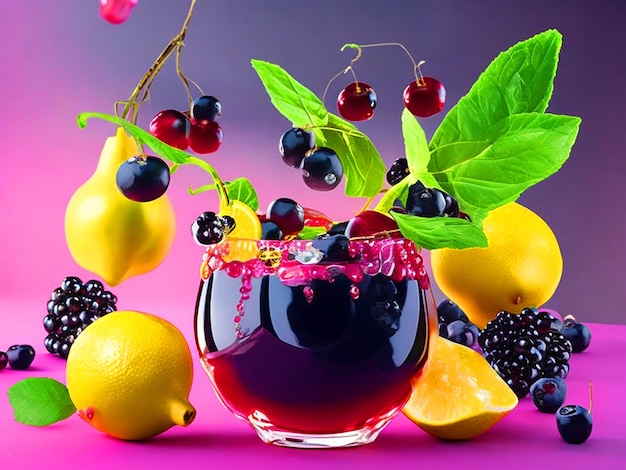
216	439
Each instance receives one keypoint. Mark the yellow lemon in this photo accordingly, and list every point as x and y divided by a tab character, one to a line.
129	375
458	396
521	267
242	240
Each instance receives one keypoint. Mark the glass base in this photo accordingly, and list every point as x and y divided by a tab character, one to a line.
270	434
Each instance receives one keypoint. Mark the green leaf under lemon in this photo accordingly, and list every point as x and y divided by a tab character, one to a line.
363	167
40	401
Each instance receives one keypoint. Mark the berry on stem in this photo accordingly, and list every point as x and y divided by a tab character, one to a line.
424	97
172	127
205	137
206	108
357	102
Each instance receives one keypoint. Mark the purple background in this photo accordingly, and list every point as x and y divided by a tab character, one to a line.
59	58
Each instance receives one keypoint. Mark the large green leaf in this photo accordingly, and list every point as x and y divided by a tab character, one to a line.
517	152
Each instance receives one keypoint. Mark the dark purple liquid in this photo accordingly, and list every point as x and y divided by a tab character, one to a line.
326	365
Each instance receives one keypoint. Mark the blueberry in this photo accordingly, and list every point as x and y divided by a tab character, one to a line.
20	356
548	394
448	312
143	179
334	247
574	424
578	334
271	231
294	145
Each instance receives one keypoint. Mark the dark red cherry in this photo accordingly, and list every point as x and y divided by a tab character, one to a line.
116	11
172	127
357	102
424	97
370	223
205	137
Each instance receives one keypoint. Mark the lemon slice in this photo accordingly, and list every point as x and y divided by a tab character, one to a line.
242	240
458	396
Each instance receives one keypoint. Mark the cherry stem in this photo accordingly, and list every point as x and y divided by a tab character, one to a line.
590	396
419	78
219	184
132	105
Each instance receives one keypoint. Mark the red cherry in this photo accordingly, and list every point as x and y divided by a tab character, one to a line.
357	102
314	218
369	223
172	127
424	97
116	11
205	137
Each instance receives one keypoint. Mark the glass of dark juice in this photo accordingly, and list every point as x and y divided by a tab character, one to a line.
312	351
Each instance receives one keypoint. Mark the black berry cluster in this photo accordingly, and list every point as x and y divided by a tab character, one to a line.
210	228
525	347
430	202
72	307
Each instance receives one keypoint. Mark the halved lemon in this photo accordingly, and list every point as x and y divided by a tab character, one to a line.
247	230
459	395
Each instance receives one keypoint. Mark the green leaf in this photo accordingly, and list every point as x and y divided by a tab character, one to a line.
294	101
40	401
309	233
364	169
440	232
172	154
242	190
517	152
519	80
415	143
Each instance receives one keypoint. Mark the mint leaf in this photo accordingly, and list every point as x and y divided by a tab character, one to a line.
415	143
440	232
242	190
363	168
40	401
172	154
517	152
294	101
519	80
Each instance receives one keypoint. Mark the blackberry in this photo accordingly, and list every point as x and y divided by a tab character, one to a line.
525	347
210	228
72	307
398	170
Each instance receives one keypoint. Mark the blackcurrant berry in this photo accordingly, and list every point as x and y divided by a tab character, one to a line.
424	97
271	231
357	102
294	144
172	127
574	424
425	202
210	228
398	170
143	179
205	137
548	394
20	356
4	360
287	214
206	108
322	169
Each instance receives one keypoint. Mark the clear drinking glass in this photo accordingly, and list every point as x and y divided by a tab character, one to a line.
313	352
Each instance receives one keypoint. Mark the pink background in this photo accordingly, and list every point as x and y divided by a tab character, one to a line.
59	58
